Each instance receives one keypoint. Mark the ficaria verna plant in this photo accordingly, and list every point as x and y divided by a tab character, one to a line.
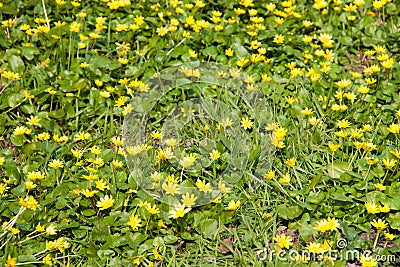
202	133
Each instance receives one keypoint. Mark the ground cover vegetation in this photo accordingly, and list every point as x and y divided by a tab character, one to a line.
70	71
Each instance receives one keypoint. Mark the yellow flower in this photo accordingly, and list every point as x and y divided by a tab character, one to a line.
171	188
247	123
161	224
203	186
326	40
359	2
43	136
117	141
105	94
188	200
60	139
192	53
214	155
279	20
187	161
156	135
84	65
371	160
285	179
363	89
33	120
247	3
7	23
21	130
123	61
162	31
283	241
121	27
380	187
270	6
389	236
229	52
344	83
152	209
56	164
307	111
394	128
307	23
279	39
30	185
222	188
370	81
105	202
372	208
29	203
40	228
389	163
330	224
378	4
343	124
387	64
88	193
382	57
291	162
333	147
102	185
117	163
11	262
51	230
350	8
178	211
307	39
379	224
290	100
270	175
134	222
35	175
75	27
241	62
315	247
368	261
385	208
232	205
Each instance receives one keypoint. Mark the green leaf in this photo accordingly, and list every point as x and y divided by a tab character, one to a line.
394	220
337	168
187	236
208	228
18	140
170	239
211	51
29	52
26	258
57	114
88	212
15	99
345	177
341	197
135	239
105	253
316	197
16	64
394	202
289	213
240	50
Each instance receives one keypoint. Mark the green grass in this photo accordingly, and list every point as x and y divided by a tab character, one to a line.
308	182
